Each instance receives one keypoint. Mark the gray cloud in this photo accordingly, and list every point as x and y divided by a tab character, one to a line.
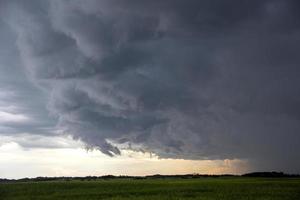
22	107
193	80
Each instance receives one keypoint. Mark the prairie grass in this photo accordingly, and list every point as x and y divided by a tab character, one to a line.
119	189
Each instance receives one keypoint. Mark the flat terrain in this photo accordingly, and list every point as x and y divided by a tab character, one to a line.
200	188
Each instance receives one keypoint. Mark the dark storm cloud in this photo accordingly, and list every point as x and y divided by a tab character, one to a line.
22	108
183	79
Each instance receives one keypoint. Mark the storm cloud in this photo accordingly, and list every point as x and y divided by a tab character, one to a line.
181	79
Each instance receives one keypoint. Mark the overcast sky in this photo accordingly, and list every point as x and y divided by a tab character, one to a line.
183	81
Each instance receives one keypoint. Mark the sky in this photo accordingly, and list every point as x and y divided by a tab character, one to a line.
142	87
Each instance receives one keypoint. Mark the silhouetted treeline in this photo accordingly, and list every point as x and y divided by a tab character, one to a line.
156	176
270	174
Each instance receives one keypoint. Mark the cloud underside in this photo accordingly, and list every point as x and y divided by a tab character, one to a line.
182	79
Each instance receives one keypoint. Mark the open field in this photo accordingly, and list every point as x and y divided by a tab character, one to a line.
201	188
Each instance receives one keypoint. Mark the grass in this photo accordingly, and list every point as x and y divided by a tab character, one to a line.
201	188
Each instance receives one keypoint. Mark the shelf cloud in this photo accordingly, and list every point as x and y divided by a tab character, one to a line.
181	79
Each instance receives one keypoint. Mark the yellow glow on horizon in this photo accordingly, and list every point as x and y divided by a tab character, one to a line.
16	162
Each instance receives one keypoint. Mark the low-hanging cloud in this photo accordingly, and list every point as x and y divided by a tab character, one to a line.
182	79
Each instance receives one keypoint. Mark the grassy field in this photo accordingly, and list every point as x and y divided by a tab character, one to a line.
202	188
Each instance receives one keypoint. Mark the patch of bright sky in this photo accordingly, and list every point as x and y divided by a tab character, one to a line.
69	158
12	117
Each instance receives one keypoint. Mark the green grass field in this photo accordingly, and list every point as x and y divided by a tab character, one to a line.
202	188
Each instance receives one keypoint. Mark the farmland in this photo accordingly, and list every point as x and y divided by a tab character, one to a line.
162	188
